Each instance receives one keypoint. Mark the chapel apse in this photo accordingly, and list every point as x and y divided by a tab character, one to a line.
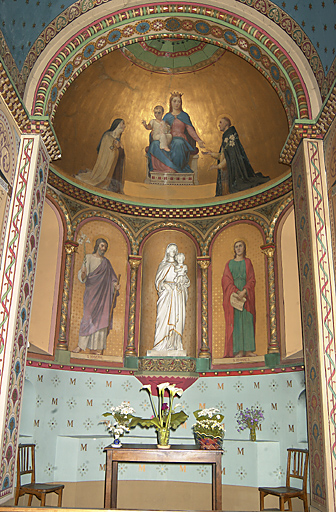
117	87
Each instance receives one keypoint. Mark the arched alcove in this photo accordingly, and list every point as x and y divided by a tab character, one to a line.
46	289
222	252
289	291
88	232
153	252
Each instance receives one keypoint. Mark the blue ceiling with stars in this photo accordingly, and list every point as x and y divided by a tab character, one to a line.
22	21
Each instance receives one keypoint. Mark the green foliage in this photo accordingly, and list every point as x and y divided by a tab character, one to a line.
176	420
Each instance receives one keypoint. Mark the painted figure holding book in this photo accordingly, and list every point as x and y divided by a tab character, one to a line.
238	285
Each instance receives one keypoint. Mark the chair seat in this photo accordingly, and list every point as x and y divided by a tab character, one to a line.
297	469
26	466
286	491
41	487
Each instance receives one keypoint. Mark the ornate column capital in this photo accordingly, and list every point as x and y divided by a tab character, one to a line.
203	262
134	261
70	246
268	250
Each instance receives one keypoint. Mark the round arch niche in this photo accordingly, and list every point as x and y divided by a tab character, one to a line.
153	253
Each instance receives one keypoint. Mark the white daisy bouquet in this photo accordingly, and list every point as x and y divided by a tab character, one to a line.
122	422
209	422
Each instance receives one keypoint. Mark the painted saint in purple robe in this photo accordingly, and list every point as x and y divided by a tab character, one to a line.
101	290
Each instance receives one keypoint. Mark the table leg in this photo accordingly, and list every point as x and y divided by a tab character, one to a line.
114	484
214	487
218	486
108	481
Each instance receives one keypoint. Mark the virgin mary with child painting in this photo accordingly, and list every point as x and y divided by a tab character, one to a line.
184	138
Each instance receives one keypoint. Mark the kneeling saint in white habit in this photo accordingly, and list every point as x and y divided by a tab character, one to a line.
171	282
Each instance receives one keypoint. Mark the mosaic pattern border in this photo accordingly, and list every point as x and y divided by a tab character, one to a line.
73	12
116	206
310	331
325	278
310	130
20	115
11	249
299	37
14	397
210	373
227	31
8	160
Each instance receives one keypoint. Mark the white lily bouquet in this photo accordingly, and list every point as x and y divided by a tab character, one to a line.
164	418
166	415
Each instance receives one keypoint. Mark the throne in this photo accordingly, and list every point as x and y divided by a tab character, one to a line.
175	178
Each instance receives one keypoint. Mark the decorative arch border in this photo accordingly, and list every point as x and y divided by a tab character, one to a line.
184	227
90	215
264	7
293	29
63	211
274	222
248	218
217	27
118	205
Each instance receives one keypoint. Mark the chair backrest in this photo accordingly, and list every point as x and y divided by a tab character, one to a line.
297	466
26	462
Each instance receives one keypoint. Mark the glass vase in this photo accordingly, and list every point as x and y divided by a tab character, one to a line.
163	438
253	435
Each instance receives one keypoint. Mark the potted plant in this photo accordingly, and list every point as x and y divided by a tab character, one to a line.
165	417
209	430
250	418
123	415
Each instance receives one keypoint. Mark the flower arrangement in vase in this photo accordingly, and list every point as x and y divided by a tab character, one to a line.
250	418
209	430
123	421
165	416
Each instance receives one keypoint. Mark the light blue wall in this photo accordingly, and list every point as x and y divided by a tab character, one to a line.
62	410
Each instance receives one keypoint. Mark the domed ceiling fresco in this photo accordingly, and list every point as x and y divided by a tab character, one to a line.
127	84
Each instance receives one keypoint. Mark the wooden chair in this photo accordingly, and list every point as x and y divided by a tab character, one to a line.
297	468
26	466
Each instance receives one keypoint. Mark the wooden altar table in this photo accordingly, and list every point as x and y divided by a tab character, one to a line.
178	454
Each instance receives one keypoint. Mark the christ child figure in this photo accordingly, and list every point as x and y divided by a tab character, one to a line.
181	279
159	128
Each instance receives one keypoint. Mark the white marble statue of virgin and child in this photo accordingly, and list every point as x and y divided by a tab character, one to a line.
171	283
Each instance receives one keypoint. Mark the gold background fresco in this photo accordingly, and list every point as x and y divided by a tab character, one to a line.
114	87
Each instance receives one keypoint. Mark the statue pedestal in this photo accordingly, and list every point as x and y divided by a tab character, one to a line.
166	353
171	178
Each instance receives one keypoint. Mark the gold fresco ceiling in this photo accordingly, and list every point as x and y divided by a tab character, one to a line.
116	86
